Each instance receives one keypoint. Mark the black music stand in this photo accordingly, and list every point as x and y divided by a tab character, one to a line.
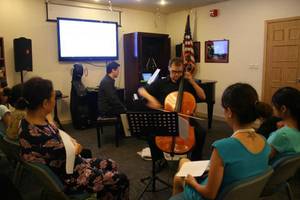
152	124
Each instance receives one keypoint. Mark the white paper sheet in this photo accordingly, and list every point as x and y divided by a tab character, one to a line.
124	121
70	151
194	168
153	77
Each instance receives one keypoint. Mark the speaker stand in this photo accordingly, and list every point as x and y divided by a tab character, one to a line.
21	76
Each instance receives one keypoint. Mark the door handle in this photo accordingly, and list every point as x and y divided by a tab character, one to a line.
298	80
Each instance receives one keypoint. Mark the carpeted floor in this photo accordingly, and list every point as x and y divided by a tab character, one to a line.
131	164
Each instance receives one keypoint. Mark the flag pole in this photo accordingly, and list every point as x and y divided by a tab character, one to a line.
188	48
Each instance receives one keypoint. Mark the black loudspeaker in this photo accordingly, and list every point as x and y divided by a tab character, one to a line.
23	54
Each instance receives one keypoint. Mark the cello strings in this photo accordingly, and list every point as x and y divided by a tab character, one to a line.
180	114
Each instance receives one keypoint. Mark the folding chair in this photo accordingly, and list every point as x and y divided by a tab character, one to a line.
284	169
53	188
247	189
11	150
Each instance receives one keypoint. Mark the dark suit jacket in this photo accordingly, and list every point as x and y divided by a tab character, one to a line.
109	103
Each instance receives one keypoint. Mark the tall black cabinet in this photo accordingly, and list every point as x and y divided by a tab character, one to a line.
143	53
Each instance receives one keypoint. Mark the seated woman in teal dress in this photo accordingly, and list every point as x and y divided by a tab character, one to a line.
242	155
41	141
286	104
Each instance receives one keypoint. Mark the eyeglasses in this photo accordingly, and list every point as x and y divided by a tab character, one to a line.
176	72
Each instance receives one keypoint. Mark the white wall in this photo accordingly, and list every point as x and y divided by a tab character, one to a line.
240	21
27	18
243	23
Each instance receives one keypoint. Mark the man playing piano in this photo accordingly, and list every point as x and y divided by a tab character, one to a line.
109	104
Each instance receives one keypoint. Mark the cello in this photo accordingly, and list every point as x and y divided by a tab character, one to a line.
184	103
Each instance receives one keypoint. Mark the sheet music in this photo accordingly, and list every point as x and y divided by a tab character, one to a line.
153	77
194	168
183	125
125	124
70	151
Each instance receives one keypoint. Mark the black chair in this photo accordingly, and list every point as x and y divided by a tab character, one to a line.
11	150
285	168
8	150
53	188
107	121
247	189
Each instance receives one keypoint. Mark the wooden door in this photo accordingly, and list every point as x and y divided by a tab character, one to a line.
282	59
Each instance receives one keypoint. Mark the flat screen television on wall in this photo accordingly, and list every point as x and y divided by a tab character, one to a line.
87	40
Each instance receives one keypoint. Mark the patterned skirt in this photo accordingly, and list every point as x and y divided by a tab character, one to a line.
99	176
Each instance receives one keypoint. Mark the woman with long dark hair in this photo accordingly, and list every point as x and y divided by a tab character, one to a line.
240	156
286	104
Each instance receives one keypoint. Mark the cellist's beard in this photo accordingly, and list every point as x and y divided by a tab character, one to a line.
175	79
178	80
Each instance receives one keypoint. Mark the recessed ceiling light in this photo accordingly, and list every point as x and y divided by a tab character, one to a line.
163	2
96	0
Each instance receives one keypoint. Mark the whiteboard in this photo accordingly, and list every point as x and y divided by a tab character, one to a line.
55	10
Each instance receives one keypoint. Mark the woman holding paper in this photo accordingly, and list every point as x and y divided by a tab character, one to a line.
242	155
42	142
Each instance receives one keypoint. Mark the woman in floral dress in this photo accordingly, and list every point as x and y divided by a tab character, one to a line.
40	142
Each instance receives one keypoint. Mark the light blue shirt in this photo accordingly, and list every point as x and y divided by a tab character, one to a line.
285	140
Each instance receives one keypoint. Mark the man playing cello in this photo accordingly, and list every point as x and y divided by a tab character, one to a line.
156	93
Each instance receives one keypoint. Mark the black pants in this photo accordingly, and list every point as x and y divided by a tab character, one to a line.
200	136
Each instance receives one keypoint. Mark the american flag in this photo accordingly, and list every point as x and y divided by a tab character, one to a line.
187	49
